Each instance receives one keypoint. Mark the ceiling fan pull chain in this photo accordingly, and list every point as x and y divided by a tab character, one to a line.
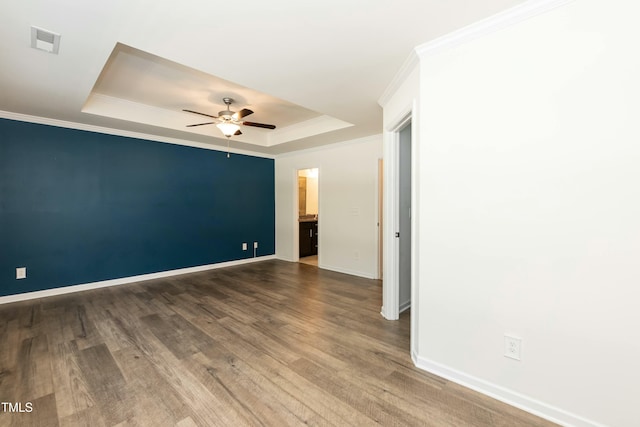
227	147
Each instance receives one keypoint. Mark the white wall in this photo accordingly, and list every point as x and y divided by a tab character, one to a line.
530	211
348	209
312	195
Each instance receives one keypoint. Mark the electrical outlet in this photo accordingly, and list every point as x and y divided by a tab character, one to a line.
21	273
244	246
512	347
255	245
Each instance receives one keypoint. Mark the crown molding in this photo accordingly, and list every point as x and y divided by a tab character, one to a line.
494	23
118	132
405	70
336	145
489	25
308	128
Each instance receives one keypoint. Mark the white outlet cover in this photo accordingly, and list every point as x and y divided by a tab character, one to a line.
21	273
512	347
244	246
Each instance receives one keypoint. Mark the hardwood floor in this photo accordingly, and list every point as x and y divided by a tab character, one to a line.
311	260
266	344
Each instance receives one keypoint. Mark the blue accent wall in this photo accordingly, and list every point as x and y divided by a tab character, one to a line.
79	207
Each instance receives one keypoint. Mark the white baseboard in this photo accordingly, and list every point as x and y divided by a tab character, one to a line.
386	315
124	280
404	306
347	271
336	269
510	397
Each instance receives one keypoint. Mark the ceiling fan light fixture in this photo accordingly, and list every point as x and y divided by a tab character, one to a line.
228	129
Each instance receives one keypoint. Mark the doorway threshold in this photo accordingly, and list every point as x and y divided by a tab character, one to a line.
310	260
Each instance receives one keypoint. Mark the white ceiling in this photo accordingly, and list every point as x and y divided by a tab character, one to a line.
140	87
314	69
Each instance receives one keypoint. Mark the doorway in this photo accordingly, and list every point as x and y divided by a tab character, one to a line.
400	290
308	209
400	207
404	218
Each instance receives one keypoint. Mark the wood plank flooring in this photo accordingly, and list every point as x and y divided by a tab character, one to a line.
266	344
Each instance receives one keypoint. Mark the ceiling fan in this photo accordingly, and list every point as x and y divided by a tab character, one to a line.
229	121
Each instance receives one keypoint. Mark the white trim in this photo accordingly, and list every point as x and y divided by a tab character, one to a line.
405	306
363	140
405	70
336	269
319	235
347	271
415	224
118	132
390	287
510	397
295	215
379	230
124	280
306	129
489	25
389	308
473	31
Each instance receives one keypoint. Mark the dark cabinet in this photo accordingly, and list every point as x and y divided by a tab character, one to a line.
308	238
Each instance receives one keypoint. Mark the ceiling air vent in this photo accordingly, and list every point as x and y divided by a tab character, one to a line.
45	40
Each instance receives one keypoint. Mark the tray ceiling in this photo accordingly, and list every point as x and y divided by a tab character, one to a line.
314	69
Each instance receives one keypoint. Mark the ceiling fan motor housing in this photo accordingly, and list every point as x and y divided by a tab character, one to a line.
225	115
228	118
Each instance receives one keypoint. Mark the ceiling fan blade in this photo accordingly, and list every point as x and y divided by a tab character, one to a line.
238	132
200	124
258	125
202	114
242	113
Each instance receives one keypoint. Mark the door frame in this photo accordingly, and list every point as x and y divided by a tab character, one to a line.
390	284
381	198
296	224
